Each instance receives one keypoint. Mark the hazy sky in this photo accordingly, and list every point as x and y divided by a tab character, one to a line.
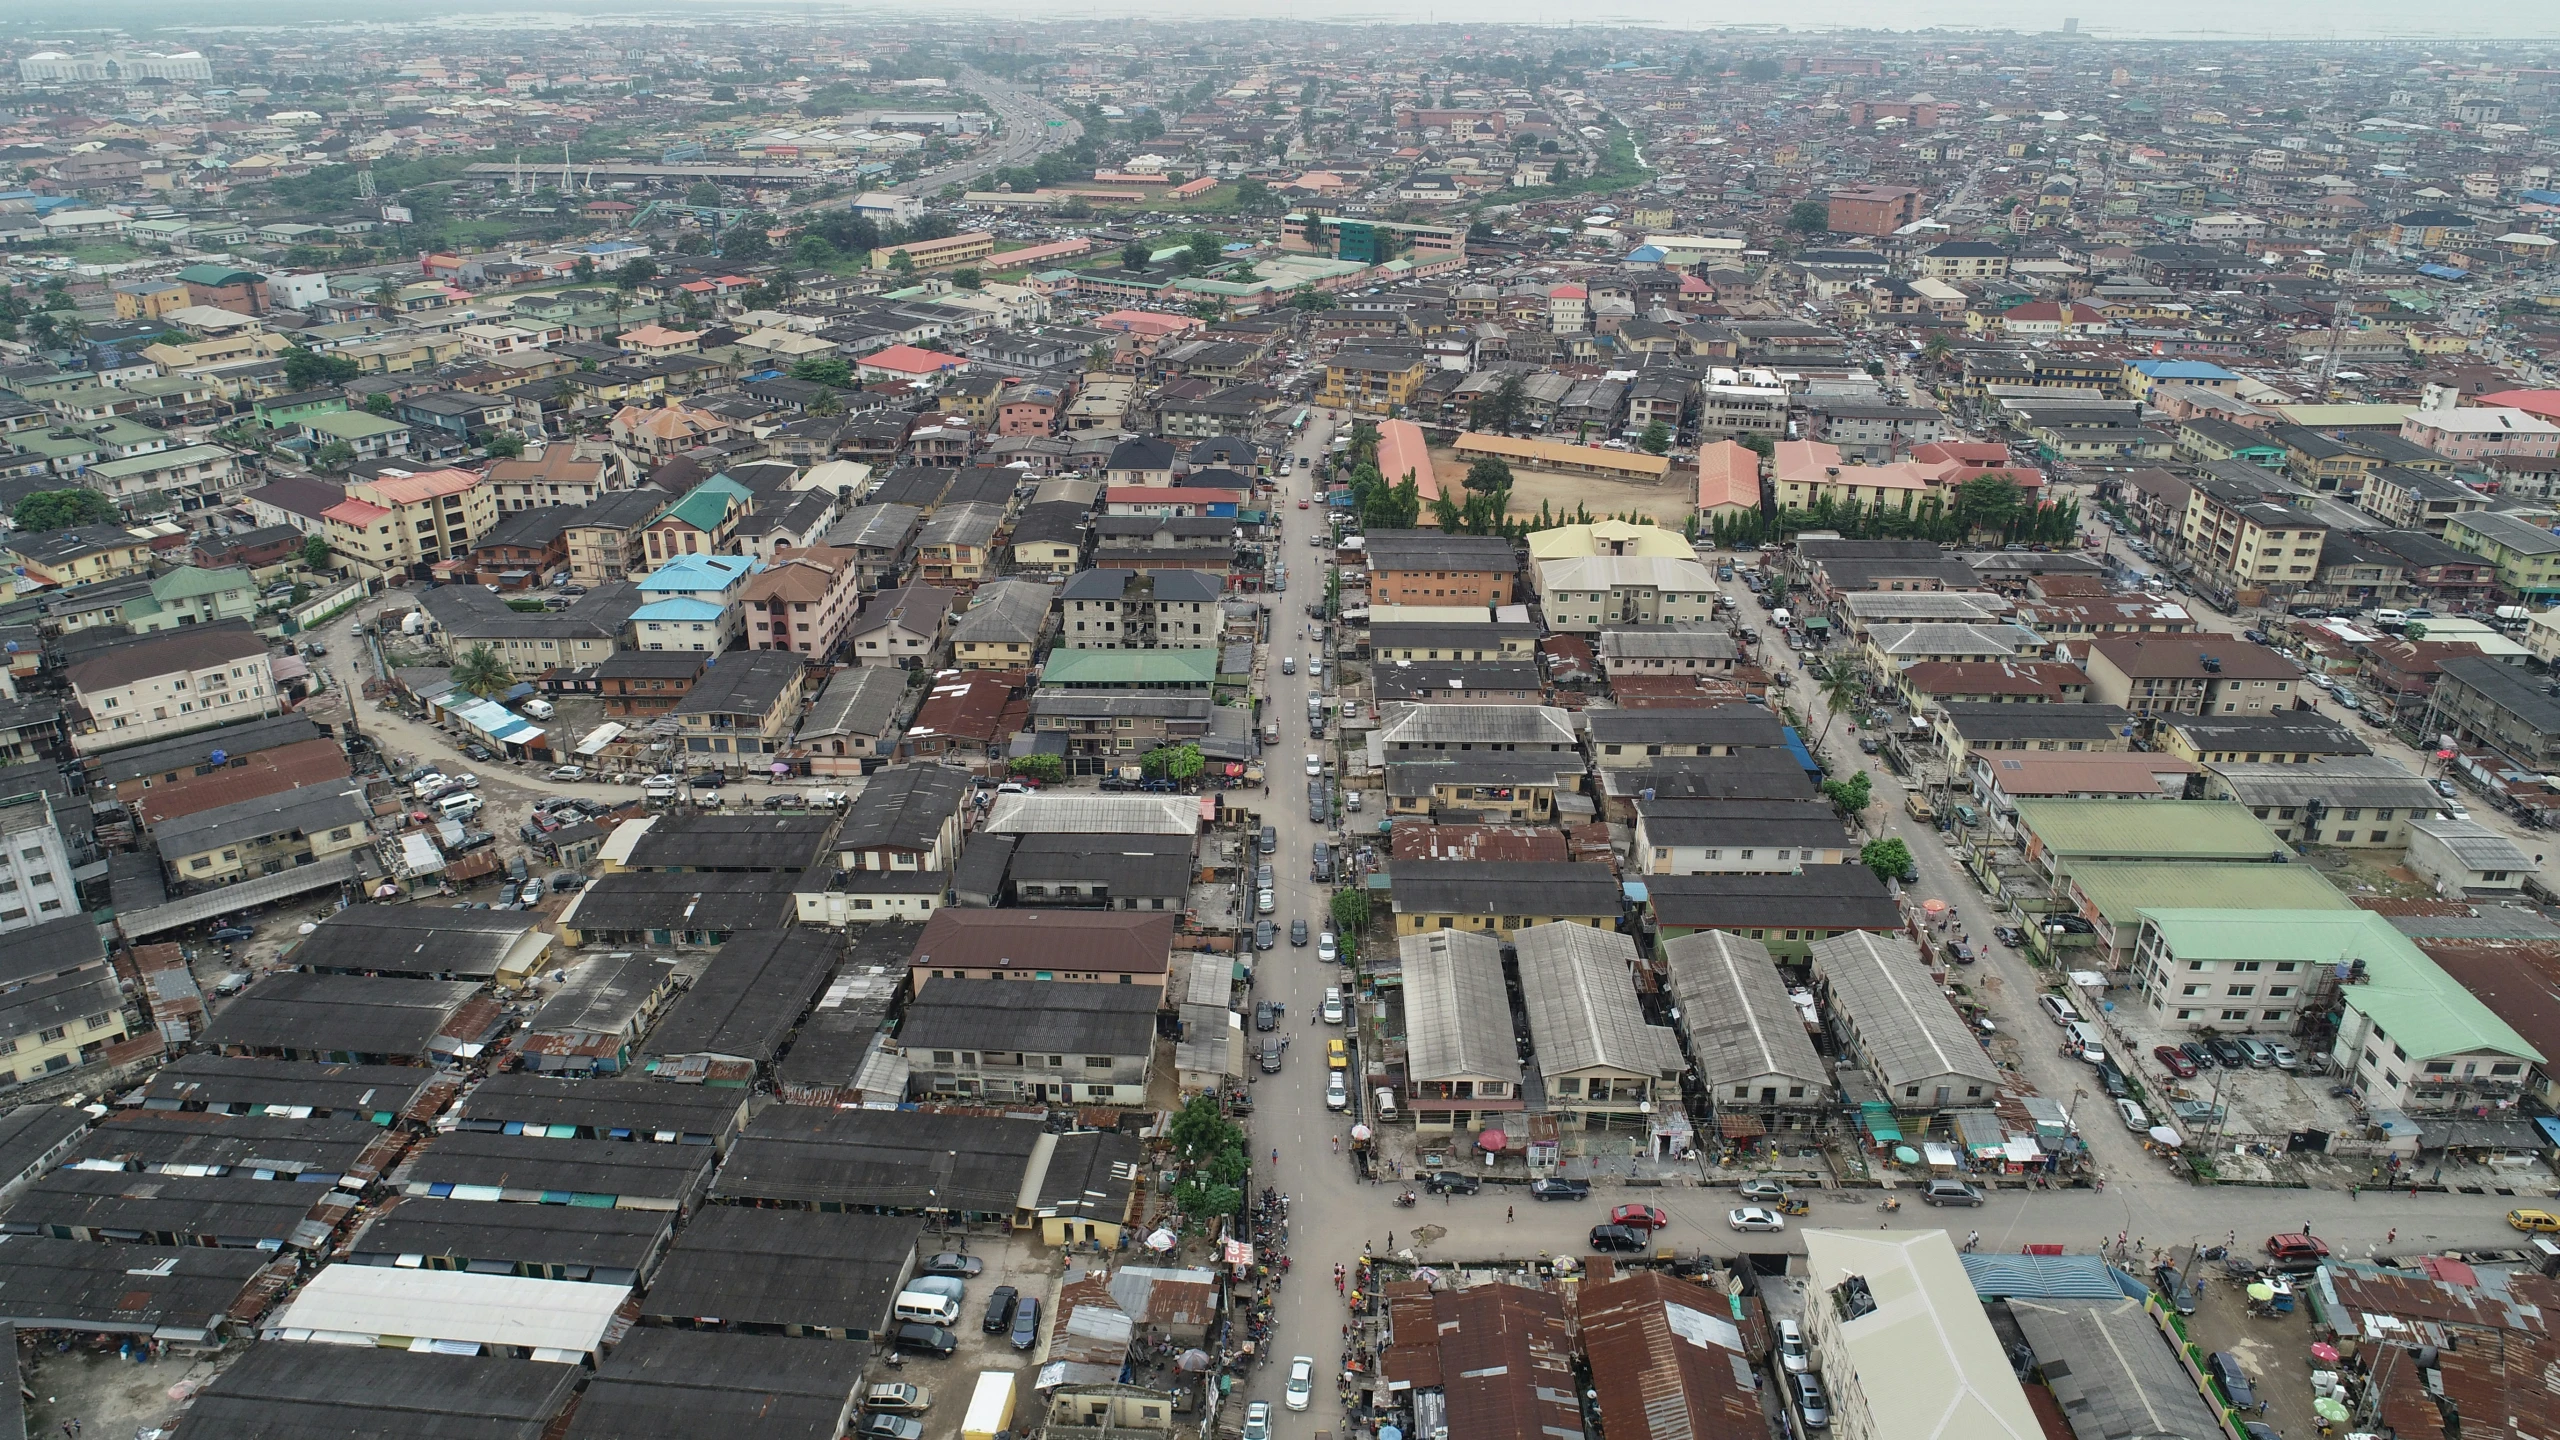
2312	20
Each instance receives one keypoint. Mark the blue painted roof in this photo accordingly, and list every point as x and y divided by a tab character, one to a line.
698	572
679	608
2183	370
2049	1277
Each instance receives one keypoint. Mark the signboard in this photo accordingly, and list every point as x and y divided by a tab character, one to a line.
398	215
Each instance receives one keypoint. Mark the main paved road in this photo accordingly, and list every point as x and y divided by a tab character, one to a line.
1336	1218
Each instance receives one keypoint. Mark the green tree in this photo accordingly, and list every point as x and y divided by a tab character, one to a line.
635	274
1311	300
1205	1199
747	241
1350	911
1656	438
968	279
1199	1131
61	509
315	553
1888	857
704	195
902	263
1850	796
377	403
1502	408
505	445
334	456
2414	631
1839	684
1489	475
1174	762
1936	351
1047	769
1134	256
824	370
1809	217
308	369
1760	445
1206	249
482	672
811	249
584	270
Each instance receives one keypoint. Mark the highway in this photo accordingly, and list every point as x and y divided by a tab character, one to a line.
1025	134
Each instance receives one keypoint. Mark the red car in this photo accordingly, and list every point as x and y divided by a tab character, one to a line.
2176	1064
2297	1248
1642	1217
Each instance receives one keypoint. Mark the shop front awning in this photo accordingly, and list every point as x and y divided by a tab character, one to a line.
1876	1117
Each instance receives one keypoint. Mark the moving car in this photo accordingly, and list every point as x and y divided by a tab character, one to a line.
1754	1217
2297	1249
2174	1062
1559	1189
1270	839
1257	1420
1302	1382
1950	1192
1619	1238
2533	1222
1298	933
1451	1182
1265	934
1324	947
1332	1012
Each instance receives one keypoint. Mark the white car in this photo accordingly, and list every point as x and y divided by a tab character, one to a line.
1336	1095
1302	1382
1257	1420
1315	763
1315	667
1325	950
1333	1010
1754	1217
2134	1119
1262	903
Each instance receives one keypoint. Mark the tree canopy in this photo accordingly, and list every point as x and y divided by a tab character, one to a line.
309	369
62	509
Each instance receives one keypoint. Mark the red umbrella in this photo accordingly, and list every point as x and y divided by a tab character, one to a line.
2325	1353
1492	1140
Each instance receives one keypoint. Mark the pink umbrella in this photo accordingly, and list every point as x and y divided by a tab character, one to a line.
1492	1140
1934	907
2325	1353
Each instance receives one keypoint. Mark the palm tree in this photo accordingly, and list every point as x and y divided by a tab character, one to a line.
1840	685
482	672
386	294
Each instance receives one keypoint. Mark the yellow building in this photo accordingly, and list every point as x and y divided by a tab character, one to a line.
950	250
68	1009
1371	384
397	524
83	555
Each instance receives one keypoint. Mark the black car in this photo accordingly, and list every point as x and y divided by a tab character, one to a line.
917	1338
1320	869
1000	1310
1559	1189
2234	1380
1618	1237
1298	933
952	1262
1114	782
1270	839
1271	1053
2009	935
2198	1055
1264	1017
2228	1052
1265	934
1026	1323
2112	1080
1451	1182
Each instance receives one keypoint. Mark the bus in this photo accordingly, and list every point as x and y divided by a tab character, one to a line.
1301	422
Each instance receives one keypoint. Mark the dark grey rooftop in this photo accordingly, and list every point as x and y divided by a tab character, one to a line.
706	842
743	1265
585	1242
239	1084
756	987
665	1384
1049	1016
413	940
524	1168
621	1109
339	1014
889	1159
313	1147
286	1391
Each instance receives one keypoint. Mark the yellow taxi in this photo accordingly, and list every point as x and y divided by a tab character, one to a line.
2534	1220
1337	1055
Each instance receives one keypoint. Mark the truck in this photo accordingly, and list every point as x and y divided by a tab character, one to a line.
990	1406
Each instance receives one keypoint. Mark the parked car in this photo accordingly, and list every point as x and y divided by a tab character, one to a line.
1301	1386
951	1262
1000	1304
2259	1056
2176	1064
2233	1380
2009	935
2133	1116
1273	1054
1949	1192
1270	839
1755	1218
2198	1054
2297	1249
1810	1401
1641	1217
1026	1323
569	772
2228	1052
2286	1057
1265	934
1559	1189
1265	1017
1618	1238
1257	1420
1325	951
917	1338
1766	1192
1451	1182
879	1425
1794	1357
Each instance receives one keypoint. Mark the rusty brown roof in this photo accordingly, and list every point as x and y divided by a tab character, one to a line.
1655	1382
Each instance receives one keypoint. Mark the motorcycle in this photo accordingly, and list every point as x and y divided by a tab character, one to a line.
1408	1200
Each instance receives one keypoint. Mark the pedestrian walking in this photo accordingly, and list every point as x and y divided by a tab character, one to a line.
2393	1236
1506	1214
2306	1227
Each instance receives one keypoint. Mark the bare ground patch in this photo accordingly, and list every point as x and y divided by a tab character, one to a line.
1669	503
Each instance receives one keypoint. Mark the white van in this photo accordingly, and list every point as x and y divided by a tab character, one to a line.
927	1309
538	709
458	807
2085	1042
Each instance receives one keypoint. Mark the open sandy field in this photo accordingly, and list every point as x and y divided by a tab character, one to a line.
1668	503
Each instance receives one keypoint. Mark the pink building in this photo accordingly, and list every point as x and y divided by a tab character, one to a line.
2479	432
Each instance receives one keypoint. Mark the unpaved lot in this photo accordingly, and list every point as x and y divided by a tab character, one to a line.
1668	503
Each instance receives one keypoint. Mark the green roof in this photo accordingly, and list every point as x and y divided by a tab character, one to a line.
706	505
2408	996
1132	667
188	581
2123	888
219	275
2150	829
150	460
